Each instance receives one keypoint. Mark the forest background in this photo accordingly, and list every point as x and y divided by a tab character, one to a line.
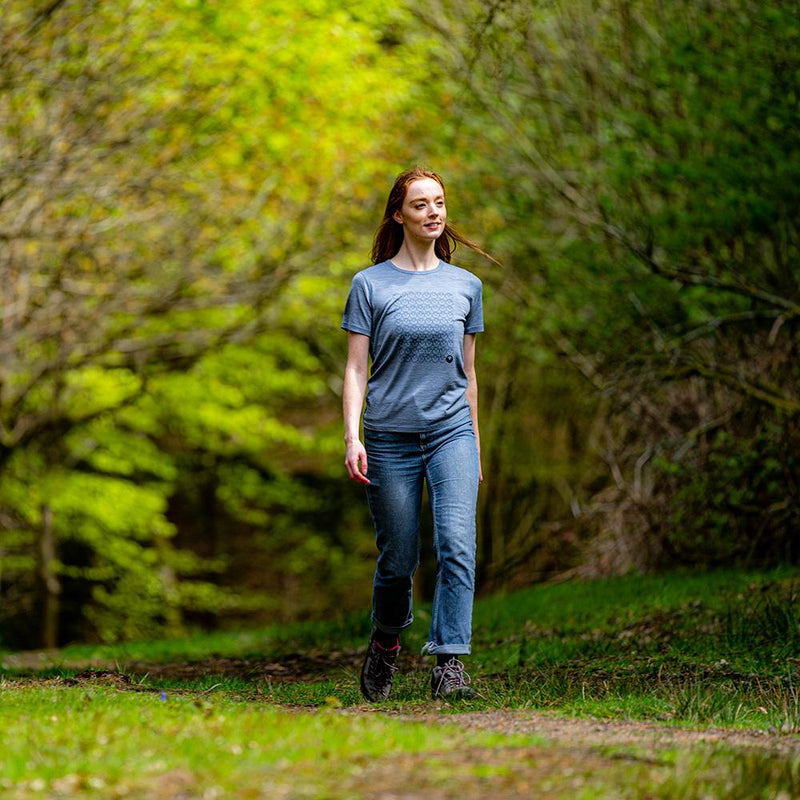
187	188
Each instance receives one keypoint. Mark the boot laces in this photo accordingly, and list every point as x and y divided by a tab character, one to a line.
453	675
383	665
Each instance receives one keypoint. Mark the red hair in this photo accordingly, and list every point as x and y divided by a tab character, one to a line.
389	236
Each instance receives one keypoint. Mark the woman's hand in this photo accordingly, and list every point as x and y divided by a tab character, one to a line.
356	462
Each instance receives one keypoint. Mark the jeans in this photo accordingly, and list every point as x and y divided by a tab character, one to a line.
399	463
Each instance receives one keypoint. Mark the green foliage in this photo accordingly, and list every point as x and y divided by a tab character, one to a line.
163	280
728	495
645	175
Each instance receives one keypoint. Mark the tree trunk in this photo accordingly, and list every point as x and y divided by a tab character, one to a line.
49	585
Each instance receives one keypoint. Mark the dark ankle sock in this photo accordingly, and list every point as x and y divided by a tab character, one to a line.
441	660
388	641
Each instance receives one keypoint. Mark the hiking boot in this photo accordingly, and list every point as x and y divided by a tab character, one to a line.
378	671
450	682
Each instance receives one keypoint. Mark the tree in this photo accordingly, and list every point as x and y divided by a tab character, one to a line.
166	175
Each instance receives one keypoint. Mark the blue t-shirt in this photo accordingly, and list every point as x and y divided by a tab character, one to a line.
416	322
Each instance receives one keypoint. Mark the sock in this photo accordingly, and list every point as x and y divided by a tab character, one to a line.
388	641
443	658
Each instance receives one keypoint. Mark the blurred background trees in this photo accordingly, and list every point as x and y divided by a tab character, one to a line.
186	189
657	146
644	165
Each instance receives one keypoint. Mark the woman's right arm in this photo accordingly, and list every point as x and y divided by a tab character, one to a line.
355	384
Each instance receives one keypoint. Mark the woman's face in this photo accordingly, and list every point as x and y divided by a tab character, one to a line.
424	213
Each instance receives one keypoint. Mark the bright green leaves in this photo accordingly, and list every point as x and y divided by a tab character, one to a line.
92	390
188	187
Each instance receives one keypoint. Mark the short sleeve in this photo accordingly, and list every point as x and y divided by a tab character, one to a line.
474	322
358	308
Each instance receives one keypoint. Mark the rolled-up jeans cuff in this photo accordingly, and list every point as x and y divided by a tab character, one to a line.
391	628
431	648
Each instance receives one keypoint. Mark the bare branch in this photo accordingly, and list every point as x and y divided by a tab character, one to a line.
688	275
757	390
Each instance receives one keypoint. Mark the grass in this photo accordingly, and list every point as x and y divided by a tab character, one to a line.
277	712
97	741
718	648
121	741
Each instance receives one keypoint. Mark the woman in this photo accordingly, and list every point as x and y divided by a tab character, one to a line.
415	316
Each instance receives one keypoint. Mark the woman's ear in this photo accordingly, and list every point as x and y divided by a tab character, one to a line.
398	217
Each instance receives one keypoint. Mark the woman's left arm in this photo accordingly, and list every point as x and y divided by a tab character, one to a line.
472	391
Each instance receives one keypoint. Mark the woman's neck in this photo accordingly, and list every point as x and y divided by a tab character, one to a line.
416	257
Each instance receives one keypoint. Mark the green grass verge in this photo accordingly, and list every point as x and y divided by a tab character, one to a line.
118	741
712	648
717	648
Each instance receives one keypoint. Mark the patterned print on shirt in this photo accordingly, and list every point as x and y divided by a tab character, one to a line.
424	325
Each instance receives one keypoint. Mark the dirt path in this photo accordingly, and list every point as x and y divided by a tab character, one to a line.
600	733
581	757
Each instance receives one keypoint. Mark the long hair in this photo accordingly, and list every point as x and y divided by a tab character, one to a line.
389	236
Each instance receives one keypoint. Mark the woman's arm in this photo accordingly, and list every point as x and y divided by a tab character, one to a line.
472	391
355	384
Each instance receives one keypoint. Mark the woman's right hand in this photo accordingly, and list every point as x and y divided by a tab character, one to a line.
356	462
